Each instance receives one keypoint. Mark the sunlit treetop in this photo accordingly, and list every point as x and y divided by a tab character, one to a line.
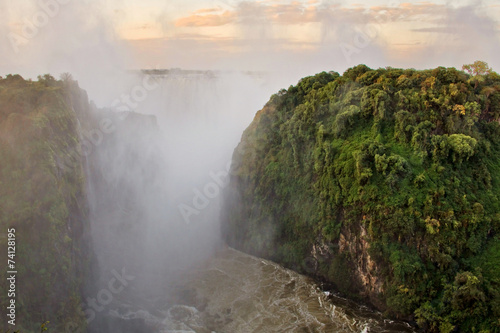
477	68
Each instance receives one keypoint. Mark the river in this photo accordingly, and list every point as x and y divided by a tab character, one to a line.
237	293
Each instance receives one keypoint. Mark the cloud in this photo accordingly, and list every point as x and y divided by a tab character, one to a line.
285	14
405	12
442	30
265	34
207	10
209	20
420	35
296	13
247	12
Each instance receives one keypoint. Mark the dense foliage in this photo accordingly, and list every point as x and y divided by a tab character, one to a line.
407	160
42	196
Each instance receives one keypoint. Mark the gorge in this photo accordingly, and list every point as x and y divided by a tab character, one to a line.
379	184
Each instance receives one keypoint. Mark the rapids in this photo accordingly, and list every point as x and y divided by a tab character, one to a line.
237	293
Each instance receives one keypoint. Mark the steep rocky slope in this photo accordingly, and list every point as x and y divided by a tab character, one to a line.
385	183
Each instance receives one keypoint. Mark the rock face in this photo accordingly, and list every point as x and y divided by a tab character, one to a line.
365	268
382	183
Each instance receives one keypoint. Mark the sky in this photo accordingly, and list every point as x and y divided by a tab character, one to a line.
278	34
289	37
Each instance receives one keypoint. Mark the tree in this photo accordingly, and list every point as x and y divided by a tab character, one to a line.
478	69
66	77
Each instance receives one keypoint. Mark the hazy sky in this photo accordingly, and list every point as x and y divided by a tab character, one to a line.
302	37
274	33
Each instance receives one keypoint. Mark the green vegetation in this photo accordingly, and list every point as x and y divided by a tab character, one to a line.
42	196
400	165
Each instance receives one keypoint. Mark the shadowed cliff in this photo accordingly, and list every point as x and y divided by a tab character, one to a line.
43	196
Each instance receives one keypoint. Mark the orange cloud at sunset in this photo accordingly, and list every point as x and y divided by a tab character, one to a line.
299	13
420	30
198	19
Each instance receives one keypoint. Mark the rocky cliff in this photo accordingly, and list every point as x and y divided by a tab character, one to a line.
49	135
43	197
384	183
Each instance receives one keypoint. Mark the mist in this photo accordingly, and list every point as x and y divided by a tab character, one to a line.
156	178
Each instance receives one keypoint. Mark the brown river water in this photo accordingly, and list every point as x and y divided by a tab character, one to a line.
234	292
